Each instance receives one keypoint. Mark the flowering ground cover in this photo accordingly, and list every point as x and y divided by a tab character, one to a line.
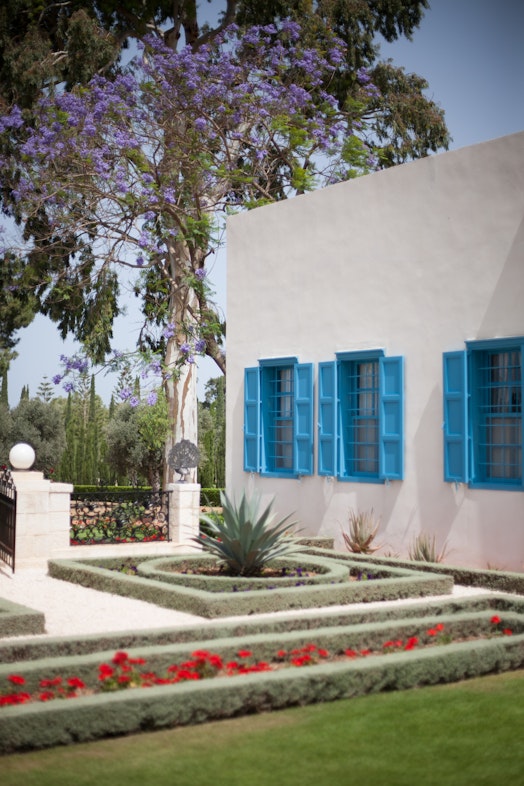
125	671
66	690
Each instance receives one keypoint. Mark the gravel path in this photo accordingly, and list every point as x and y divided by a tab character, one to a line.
74	610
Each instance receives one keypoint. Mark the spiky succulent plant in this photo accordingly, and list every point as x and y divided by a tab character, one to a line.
244	539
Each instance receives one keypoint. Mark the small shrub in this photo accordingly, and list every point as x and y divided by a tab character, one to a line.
243	538
363	529
423	548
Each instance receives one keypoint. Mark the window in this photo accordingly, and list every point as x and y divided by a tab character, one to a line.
360	411
278	418
483	429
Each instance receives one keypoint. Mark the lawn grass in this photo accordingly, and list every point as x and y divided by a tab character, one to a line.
457	735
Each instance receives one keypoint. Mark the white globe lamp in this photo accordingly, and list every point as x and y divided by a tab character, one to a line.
22	456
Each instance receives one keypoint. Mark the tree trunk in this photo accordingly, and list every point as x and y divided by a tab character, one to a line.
181	394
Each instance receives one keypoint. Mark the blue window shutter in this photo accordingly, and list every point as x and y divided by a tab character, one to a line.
391	418
251	420
455	417
327	419
303	422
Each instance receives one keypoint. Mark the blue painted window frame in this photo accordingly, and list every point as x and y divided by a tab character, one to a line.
472	386
278	418
334	451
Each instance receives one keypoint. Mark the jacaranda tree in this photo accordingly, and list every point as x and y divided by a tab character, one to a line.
132	173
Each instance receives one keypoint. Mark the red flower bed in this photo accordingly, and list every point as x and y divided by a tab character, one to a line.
125	672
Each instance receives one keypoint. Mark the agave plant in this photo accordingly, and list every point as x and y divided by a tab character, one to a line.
363	529
424	549
245	539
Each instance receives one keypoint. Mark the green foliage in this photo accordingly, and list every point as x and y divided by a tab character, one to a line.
362	532
423	548
244	539
125	453
41	425
85	418
212	436
135	442
210	497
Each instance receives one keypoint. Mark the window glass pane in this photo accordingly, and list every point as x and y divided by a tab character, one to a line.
360	417
499	448
279	446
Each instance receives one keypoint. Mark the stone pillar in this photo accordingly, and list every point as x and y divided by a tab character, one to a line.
42	518
184	513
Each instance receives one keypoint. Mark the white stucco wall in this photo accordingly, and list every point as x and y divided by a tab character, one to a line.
415	260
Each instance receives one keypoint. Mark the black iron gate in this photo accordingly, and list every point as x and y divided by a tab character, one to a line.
7	518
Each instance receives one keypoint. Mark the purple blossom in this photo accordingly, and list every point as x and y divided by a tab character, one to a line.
169	331
12	120
152	398
201	273
200	345
57	379
185	348
134	401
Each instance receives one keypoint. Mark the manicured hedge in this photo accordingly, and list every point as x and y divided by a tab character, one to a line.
17	620
57	722
393	583
53	647
499	580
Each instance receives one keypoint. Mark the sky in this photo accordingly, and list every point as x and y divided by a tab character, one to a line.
470	52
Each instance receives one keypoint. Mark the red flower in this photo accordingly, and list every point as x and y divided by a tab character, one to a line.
507	632
105	672
351	653
203	654
76	682
244	653
16	679
411	643
120	658
439	627
365	652
495	619
46	696
432	632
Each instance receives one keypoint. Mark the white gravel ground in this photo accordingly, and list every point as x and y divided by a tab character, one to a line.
74	610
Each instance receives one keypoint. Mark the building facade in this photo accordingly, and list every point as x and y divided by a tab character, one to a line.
375	347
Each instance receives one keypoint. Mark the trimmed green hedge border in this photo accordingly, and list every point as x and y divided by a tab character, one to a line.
43	725
55	647
209	497
335	639
499	580
18	620
401	583
328	571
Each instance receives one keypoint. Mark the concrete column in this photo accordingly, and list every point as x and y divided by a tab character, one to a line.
42	518
184	512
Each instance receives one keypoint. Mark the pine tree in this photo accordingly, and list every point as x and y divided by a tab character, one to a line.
45	391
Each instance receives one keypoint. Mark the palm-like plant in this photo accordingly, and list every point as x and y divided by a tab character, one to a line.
245	539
